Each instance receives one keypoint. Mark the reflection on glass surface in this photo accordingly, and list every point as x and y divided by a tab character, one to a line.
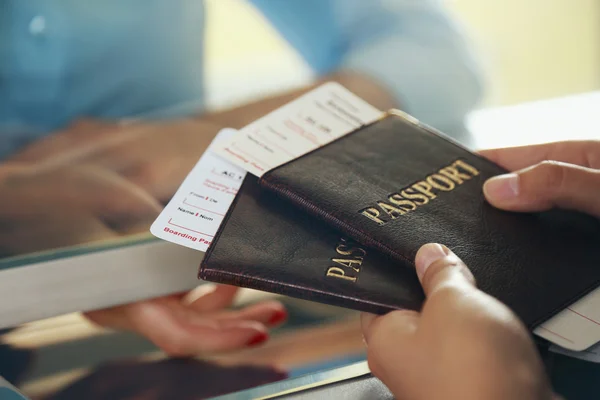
166	379
10	394
68	358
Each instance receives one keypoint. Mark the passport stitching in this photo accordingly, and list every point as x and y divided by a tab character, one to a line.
284	189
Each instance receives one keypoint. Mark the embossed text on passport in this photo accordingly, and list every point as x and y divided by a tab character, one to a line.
420	193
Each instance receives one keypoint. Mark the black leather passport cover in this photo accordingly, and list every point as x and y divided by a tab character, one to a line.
267	244
396	184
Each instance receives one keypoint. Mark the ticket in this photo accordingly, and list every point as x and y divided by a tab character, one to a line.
305	124
194	214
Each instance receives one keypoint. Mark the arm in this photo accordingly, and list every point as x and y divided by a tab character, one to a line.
403	53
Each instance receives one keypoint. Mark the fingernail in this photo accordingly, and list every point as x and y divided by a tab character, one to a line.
427	255
278	317
257	339
503	187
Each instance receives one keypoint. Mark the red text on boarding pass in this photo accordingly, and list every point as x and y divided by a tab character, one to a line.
311	121
194	214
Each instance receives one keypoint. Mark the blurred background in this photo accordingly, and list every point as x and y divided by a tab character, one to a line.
533	49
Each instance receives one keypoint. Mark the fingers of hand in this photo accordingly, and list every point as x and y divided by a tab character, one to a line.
406	348
116	201
585	153
211	297
389	338
178	334
546	185
76	135
393	337
269	313
437	266
403	323
181	330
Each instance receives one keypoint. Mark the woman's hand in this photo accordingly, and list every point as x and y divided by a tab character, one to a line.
562	174
202	326
76	188
463	345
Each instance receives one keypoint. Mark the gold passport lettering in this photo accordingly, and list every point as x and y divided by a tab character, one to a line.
454	174
348	263
411	194
464	165
348	266
406	205
346	249
373	214
335	272
393	212
440	182
420	193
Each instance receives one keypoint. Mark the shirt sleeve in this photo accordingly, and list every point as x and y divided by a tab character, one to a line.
412	47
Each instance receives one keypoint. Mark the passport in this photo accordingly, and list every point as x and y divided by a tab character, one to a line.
386	189
265	244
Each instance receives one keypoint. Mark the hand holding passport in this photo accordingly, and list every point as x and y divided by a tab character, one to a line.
340	220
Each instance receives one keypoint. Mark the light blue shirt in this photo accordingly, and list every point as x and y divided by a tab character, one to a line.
64	59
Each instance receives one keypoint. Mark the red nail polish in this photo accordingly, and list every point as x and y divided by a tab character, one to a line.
278	317
258	339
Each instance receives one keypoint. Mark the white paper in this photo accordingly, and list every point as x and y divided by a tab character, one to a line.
194	214
577	327
311	121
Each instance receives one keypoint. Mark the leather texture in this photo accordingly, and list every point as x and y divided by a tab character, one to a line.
537	264
267	244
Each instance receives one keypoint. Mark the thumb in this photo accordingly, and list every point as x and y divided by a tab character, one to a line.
546	185
437	266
